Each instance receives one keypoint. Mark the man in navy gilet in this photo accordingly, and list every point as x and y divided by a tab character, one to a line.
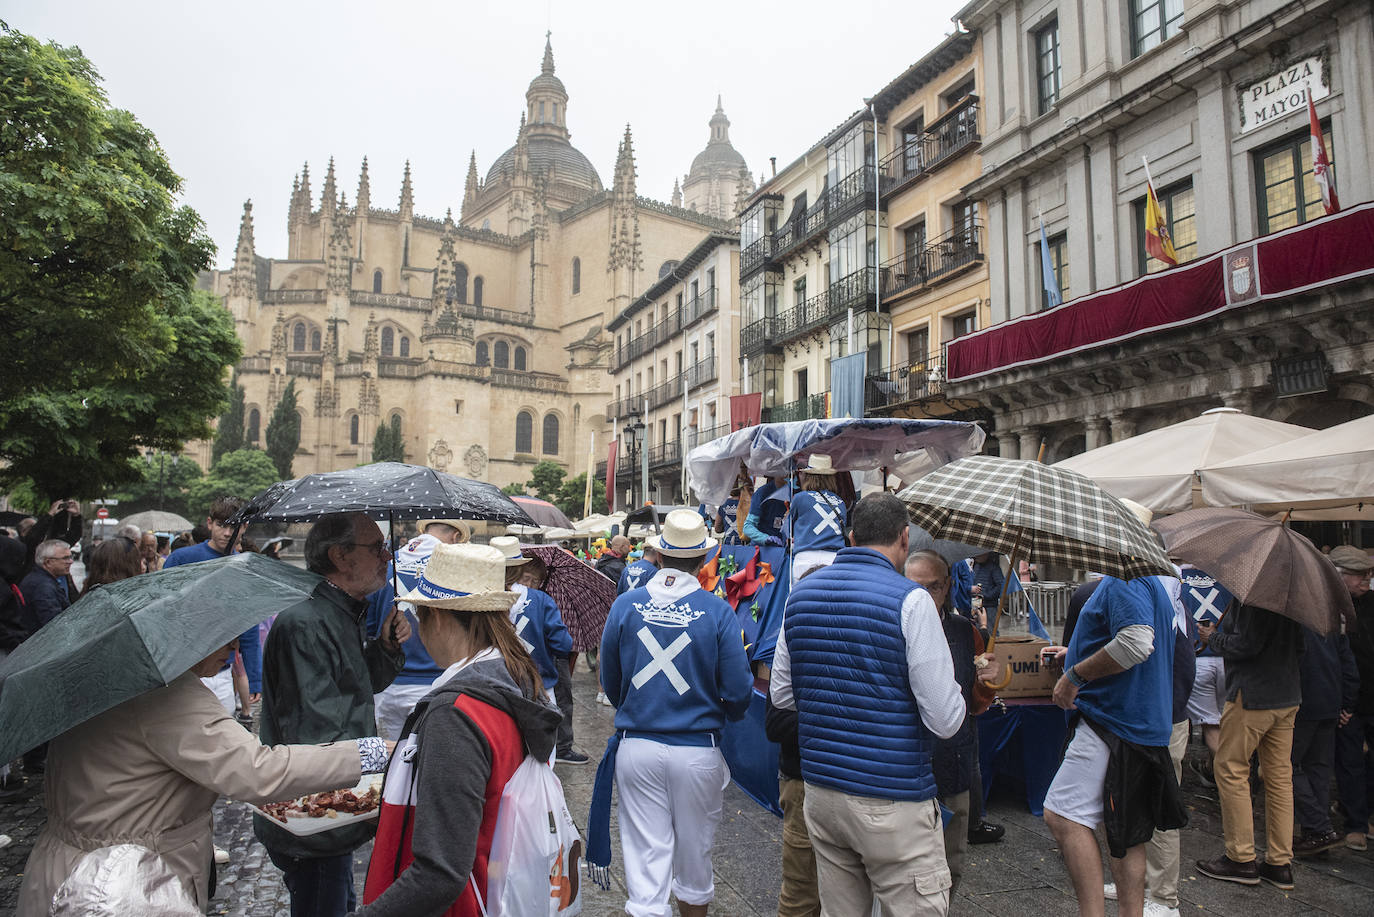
863	659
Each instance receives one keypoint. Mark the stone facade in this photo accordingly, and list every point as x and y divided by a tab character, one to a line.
1089	91
482	338
719	181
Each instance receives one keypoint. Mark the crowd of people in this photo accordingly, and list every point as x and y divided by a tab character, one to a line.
445	669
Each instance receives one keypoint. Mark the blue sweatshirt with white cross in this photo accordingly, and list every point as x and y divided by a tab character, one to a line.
539	624
672	662
817	522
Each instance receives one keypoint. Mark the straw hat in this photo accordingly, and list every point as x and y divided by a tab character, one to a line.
464	530
684	535
819	464
463	577
509	546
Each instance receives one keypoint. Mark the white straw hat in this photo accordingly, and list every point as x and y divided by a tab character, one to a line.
684	535
463	577
819	464
509	546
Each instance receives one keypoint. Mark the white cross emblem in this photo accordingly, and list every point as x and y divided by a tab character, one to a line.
828	520
521	623
633	579
1206	604
662	661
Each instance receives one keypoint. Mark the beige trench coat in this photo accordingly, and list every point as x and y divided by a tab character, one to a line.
149	771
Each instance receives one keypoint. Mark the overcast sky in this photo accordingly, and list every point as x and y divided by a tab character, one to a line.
241	93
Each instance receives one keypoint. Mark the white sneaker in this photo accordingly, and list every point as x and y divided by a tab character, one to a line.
5	841
1109	892
1156	908
221	856
602	699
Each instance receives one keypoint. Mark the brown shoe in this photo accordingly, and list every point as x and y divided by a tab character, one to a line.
1228	870
1356	841
1314	842
1277	876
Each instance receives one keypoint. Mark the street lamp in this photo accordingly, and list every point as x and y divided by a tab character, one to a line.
635	428
161	471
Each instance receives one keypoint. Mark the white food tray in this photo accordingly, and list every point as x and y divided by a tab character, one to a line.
304	826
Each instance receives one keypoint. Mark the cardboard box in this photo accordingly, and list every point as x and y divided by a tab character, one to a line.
1028	678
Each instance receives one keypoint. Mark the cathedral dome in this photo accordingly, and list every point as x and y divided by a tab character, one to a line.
719	154
548	153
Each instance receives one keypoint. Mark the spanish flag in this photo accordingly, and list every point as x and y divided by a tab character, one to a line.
1158	243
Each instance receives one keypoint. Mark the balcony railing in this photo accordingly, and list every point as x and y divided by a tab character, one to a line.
918	379
298	297
646	342
665	453
814	313
956	131
535	382
703	304
851	194
665	392
937	261
809	408
704	371
626	406
500	316
308	368
755	255
696	436
758	335
800	230
390	301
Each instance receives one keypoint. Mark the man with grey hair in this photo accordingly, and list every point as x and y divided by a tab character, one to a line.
47	589
319	676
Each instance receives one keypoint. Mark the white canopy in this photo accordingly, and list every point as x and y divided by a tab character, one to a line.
1325	475
1156	469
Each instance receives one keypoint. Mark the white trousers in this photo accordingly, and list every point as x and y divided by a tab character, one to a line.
223	686
670	805
394	705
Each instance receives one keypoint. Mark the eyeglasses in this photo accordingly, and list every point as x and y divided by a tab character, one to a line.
376	547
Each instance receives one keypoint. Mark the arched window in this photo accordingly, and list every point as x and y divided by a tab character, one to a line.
315	340
524	432
482	359
577	276
388	342
254	425
477	291
396	424
500	355
405	346
298	336
377	281
460	283
519	358
353	429
550	434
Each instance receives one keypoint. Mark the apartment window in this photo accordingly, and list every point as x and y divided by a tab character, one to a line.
801	378
918	344
1154	22
1059	263
912	132
913	244
799	291
710	278
953	96
695	287
963	218
962	324
1177	203
710	344
1287	191
1047	65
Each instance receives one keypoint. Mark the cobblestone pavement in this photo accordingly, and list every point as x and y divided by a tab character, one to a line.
1021	875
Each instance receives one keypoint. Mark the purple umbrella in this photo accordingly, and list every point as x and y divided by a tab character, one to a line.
583	595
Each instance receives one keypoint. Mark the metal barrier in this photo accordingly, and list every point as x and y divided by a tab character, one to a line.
1051	604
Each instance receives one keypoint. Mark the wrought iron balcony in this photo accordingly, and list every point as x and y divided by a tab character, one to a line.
696	436
938	261
800	230
666	392
852	194
809	408
702	305
624	407
646	342
669	453
755	255
704	371
758	336
955	132
918	379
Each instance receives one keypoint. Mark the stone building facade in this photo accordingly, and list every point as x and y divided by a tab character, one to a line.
1213	94
719	180
483	339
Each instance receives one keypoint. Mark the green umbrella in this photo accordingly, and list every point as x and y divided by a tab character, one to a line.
129	637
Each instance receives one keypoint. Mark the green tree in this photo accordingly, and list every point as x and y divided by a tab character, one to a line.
284	431
244	473
164	482
387	445
514	490
546	479
229	431
572	496
105	347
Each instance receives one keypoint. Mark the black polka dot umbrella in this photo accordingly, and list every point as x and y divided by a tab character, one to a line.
385	490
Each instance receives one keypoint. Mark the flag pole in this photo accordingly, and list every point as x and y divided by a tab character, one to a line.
1149	179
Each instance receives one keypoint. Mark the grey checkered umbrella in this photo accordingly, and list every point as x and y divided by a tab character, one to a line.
1038	512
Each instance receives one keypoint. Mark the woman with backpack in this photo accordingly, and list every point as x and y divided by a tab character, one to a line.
460	745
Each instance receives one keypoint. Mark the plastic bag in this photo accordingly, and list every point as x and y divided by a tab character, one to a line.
536	851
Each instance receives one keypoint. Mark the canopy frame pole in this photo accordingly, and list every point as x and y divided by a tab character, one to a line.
1001	604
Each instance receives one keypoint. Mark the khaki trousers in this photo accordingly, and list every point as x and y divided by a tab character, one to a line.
956	836
798	896
869	849
1161	852
1243	733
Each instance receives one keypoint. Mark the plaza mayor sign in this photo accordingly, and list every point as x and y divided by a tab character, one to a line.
1283	92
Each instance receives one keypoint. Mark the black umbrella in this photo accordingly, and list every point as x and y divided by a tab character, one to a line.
386	490
132	636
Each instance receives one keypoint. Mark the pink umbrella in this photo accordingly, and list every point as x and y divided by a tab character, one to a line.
543	512
583	595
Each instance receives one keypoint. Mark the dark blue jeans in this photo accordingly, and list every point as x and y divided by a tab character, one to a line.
319	886
1355	771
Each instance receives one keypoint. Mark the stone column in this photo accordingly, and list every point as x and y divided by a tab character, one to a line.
1030	443
1122	427
1010	445
1095	432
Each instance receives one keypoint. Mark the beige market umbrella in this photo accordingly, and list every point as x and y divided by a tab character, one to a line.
1156	469
1328	474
